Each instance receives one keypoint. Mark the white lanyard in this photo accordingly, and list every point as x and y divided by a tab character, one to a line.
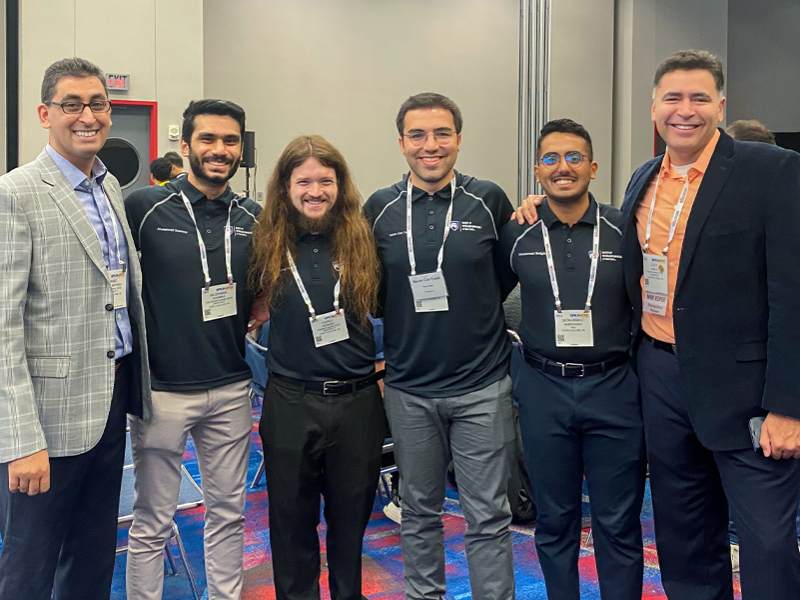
304	292
201	243
675	215
116	233
551	268
409	235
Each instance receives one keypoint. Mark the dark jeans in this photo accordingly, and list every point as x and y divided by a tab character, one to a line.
63	541
692	487
589	426
320	445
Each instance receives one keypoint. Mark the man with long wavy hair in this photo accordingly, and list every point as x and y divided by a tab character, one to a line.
323	425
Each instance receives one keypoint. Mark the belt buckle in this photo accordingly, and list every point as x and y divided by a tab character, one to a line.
565	365
325	385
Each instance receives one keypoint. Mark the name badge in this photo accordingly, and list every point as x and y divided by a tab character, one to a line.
428	286
656	284
329	328
432	305
119	280
574	328
219	301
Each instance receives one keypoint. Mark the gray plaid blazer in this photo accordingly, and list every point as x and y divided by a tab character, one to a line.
56	379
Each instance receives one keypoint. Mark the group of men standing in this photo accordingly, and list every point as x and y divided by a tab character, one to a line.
671	322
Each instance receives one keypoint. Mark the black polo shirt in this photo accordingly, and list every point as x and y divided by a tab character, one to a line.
186	353
522	248
291	345
464	349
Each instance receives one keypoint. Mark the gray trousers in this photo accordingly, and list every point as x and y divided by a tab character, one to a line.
220	421
477	431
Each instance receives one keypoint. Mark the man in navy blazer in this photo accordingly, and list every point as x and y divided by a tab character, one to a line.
711	249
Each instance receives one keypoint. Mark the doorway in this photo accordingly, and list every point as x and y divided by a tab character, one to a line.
132	143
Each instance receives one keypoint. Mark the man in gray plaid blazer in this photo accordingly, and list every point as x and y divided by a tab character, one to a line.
73	355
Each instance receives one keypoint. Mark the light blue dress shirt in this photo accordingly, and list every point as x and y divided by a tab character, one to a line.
93	198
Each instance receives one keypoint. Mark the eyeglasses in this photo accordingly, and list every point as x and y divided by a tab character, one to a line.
442	137
74	108
573	158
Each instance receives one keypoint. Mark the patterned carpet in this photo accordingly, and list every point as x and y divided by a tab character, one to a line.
383	563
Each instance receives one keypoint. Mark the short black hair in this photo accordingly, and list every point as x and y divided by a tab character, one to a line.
691	60
210	106
174	159
564	126
160	169
750	131
427	100
69	67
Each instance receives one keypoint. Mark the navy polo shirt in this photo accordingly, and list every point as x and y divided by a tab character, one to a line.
522	247
291	344
464	349
187	353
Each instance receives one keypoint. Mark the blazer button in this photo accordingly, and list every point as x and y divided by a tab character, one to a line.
109	307
110	354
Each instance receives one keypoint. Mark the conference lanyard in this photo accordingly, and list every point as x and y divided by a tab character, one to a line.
409	235
304	292
675	215
201	243
551	268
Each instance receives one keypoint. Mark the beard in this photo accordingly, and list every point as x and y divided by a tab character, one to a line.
323	225
199	172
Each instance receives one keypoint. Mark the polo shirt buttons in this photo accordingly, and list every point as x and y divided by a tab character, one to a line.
569	254
109	307
315	250
316	266
430	212
569	240
430	226
563	227
208	231
110	354
208	217
430	198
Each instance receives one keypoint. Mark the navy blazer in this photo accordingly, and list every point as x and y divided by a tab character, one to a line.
736	308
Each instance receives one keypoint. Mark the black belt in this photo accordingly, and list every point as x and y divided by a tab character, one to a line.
332	388
573	369
671	348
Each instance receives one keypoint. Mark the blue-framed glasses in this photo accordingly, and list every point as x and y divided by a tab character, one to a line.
573	159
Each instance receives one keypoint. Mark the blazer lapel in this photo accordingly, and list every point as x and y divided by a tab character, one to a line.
67	201
719	169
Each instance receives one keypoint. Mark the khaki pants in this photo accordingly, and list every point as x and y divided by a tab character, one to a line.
220	421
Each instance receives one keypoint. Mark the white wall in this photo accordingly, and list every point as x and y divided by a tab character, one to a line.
648	32
582	75
764	62
341	68
158	42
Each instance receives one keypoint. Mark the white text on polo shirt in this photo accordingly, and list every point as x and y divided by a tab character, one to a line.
172	230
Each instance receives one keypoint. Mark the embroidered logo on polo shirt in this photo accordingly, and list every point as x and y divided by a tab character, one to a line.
397	233
532	254
608	255
454	225
242	231
171	230
470	226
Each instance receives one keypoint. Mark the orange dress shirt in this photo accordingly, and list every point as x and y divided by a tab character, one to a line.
669	190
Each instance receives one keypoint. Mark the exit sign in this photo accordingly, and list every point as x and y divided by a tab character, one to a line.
119	82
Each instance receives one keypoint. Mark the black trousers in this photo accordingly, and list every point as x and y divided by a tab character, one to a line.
64	541
316	446
589	426
692	487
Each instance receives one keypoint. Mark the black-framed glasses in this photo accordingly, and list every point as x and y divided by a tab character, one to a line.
74	108
442	137
573	158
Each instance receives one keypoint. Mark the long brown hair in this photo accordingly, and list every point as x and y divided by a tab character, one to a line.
353	245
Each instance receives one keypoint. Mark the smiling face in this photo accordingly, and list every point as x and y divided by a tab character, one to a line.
215	150
565	183
78	137
432	162
313	189
686	110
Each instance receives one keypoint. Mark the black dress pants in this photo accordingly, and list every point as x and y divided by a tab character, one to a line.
316	446
692	487
63	542
589	426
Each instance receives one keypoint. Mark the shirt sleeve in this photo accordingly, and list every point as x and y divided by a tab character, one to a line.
502	260
135	209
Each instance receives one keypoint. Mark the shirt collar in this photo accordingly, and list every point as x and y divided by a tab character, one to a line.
76	178
549	218
442	193
194	195
701	164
